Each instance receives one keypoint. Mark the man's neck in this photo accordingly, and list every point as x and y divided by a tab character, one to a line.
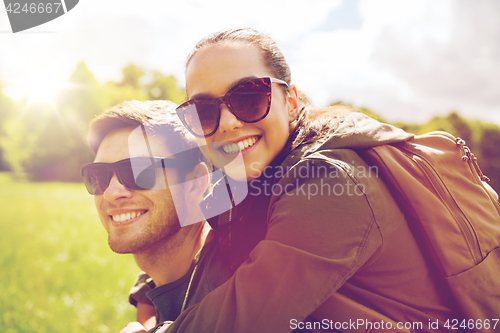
169	260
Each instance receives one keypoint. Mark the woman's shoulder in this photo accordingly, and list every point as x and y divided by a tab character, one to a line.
317	154
356	131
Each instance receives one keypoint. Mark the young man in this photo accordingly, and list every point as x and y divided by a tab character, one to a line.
148	180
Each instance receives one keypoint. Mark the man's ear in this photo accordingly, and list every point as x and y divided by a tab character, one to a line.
293	103
197	182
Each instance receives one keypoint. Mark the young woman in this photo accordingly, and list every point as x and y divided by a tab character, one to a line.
316	220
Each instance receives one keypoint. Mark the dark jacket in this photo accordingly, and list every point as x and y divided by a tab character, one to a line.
327	223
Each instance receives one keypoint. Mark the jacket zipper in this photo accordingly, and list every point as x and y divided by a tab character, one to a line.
451	204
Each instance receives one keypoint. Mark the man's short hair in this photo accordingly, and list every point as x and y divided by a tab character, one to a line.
157	117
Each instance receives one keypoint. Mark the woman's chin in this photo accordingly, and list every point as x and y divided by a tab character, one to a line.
238	175
243	174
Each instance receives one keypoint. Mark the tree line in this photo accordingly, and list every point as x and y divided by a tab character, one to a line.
47	140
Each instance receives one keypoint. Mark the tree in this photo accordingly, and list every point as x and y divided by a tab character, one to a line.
49	140
7	111
127	89
77	104
131	77
165	88
489	154
21	134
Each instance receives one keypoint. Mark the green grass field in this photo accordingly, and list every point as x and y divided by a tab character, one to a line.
57	273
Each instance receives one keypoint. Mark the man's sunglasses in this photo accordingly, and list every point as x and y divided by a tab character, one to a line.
249	101
138	173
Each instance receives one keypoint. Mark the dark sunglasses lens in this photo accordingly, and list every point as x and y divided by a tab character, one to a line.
251	102
201	117
96	179
137	174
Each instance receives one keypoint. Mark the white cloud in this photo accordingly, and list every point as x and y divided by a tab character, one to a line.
409	61
449	55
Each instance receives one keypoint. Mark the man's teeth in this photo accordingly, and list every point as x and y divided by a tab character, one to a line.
126	216
243	144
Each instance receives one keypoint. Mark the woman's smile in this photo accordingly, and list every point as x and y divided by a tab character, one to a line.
241	145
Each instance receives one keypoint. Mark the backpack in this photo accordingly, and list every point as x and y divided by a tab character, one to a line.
436	181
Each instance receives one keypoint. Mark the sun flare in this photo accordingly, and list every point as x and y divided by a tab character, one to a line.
43	86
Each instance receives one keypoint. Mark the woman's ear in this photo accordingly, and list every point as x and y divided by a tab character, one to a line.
293	103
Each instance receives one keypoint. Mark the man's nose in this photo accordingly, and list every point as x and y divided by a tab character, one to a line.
116	190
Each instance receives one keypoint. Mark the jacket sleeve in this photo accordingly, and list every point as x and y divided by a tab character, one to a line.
321	229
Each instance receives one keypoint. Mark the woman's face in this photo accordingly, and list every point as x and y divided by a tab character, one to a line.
214	70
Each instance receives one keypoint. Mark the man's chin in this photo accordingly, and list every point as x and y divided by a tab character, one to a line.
120	249
149	241
135	246
123	247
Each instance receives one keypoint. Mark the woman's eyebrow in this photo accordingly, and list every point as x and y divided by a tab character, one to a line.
236	82
242	80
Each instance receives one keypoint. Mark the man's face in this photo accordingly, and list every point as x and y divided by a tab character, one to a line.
136	220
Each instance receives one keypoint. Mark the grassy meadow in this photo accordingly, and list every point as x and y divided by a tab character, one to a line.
57	273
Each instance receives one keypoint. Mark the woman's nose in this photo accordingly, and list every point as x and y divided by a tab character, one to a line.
228	121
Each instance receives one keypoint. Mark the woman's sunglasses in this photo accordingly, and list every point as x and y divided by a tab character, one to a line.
138	173
249	101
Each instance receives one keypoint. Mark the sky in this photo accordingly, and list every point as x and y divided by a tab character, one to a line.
406	60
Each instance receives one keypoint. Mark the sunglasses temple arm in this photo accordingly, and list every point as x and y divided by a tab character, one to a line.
147	144
229	192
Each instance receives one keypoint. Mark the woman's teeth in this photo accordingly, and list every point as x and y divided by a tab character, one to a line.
241	145
126	217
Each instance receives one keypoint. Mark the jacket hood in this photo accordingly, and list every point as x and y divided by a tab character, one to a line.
358	131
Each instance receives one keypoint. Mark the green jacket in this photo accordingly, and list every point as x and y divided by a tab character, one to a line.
327	223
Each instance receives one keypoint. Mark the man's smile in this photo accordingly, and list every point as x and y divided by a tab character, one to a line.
127	216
